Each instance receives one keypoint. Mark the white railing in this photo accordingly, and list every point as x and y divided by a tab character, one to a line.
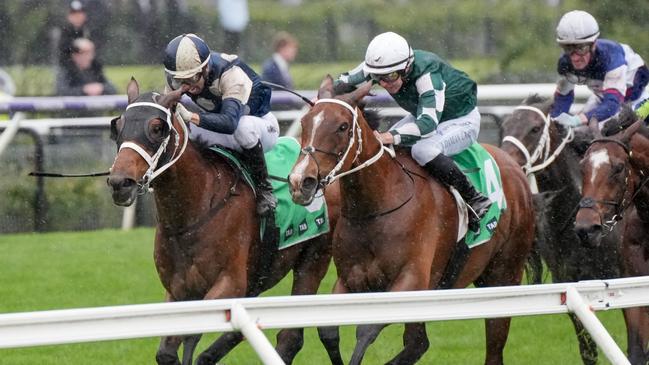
250	315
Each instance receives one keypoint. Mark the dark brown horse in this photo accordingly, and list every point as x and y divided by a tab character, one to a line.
615	172
547	155
398	228
207	235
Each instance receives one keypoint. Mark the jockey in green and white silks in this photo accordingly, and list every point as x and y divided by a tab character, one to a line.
443	119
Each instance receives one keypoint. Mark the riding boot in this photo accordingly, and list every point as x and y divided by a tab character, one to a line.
254	158
444	169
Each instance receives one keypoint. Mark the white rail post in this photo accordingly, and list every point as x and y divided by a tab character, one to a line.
576	304
128	218
7	136
241	321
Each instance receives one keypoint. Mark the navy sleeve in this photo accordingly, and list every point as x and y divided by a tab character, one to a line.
562	103
226	121
608	107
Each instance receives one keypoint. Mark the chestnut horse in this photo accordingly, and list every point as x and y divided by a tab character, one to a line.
207	234
545	152
398	227
615	173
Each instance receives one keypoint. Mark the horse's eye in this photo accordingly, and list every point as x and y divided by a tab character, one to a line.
343	127
536	129
617	168
156	131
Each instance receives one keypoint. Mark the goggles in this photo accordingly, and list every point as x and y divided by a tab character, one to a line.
388	78
579	49
177	83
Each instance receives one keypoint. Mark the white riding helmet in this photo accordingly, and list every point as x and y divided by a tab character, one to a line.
387	52
577	27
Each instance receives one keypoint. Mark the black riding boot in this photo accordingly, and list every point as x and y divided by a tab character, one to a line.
254	158
444	169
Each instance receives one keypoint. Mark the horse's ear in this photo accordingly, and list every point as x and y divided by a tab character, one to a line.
593	125
630	131
172	98
132	90
361	92
326	89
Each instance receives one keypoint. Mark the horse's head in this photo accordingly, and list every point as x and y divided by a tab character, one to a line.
333	133
607	184
142	135
527	130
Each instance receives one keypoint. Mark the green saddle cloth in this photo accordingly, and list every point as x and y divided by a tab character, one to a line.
483	172
296	223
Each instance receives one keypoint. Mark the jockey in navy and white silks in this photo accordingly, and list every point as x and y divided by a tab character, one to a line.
235	105
443	119
612	71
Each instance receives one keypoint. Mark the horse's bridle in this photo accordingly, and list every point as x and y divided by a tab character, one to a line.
355	136
619	207
542	148
152	160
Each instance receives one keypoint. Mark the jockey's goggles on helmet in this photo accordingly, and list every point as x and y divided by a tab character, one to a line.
579	49
176	83
389	77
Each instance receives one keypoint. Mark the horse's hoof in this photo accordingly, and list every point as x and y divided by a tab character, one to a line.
203	359
167	359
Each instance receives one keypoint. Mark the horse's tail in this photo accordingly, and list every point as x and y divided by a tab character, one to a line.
534	265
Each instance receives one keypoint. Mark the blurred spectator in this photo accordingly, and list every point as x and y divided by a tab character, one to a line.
234	19
275	68
85	75
7	85
76	27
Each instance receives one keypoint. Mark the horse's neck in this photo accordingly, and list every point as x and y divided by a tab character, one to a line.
184	192
373	188
640	162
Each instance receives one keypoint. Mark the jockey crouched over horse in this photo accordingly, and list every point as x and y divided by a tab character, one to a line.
209	242
399	228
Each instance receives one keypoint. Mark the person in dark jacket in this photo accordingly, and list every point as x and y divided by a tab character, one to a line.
275	68
76	27
85	75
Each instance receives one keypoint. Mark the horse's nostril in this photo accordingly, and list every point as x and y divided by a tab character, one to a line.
309	183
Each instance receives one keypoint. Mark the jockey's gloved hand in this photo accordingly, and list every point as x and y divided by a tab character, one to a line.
185	114
568	121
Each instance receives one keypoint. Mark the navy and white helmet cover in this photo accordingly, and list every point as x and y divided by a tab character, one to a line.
185	56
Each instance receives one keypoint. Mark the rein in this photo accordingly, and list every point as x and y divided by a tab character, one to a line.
152	160
542	147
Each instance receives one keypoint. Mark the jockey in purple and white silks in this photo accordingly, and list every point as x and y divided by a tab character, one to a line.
235	105
612	71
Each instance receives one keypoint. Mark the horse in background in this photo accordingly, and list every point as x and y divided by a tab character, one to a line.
398	227
544	151
615	189
207	240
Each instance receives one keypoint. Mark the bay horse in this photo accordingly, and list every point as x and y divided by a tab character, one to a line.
398	227
545	152
615	172
207	234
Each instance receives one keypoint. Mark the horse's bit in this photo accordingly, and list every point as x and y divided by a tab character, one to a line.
152	160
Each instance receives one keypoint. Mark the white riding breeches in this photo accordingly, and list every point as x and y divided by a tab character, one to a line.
450	138
250	130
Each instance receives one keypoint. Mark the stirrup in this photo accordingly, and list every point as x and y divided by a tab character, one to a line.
477	212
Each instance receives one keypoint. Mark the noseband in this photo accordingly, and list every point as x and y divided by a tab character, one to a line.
355	135
152	160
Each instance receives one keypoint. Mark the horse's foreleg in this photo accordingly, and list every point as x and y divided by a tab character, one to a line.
330	336
168	351
415	342
637	328
221	347
189	345
308	272
587	346
365	336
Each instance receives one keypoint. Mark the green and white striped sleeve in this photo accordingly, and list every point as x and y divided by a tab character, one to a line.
430	90
355	76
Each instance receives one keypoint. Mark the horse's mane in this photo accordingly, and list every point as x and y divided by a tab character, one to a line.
538	101
372	116
621	121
